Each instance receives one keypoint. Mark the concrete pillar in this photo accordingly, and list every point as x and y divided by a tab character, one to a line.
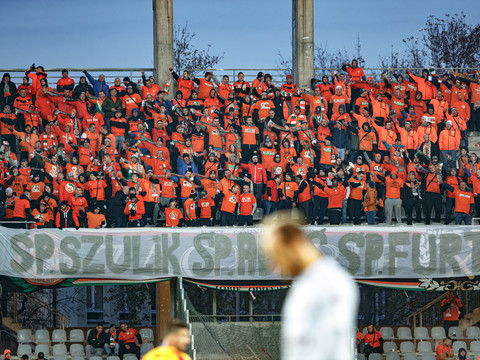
303	44
162	39
163	316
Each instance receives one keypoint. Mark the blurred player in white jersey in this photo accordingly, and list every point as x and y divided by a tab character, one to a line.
321	307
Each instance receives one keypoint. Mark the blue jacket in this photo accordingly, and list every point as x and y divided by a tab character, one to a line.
182	166
97	85
168	105
340	138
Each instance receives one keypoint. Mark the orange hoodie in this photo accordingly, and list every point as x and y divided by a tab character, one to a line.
6	352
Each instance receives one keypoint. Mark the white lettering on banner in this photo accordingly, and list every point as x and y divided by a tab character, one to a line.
233	253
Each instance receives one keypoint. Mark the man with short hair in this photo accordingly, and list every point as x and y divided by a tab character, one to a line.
321	306
129	340
112	347
97	339
174	344
373	341
444	349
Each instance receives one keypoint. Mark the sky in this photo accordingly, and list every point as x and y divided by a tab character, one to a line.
250	33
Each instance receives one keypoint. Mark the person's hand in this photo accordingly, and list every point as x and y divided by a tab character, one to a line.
294	205
444	109
84	71
77	228
127	347
143	72
170	68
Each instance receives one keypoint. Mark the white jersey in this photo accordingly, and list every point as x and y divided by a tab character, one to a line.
320	314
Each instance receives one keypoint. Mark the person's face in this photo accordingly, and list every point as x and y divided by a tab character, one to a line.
235	189
354	64
448	342
113	92
180	339
463	186
23	93
246	189
101	78
124	327
100	327
431	168
279	255
241	77
398	93
370	329
225	79
411	177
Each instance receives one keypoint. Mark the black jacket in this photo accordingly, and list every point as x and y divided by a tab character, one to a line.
82	88
117	205
97	341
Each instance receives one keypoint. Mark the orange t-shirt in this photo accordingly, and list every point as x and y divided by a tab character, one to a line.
356	193
20	206
463	200
393	187
95	220
172	217
229	202
190	205
246	204
205	206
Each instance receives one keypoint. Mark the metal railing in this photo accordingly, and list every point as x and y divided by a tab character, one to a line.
63	320
278	75
420	312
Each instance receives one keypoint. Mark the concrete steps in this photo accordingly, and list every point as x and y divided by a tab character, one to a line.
9	324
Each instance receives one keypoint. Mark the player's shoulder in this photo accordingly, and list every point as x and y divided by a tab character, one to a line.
165	353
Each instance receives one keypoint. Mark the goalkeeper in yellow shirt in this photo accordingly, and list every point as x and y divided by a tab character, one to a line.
176	341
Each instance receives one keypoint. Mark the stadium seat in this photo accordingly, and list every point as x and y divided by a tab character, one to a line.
455	332
389	346
129	357
144	348
78	357
424	346
387	332
77	350
24	350
59	336
476	356
360	356
364	330
59	350
428	356
410	356
95	358
113	358
457	345
438	333
24	336
375	357
42	348
392	356
42	336
475	347
421	333
146	334
404	333
473	332
407	347
60	357
76	335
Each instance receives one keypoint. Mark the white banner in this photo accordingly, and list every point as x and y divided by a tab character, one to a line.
233	253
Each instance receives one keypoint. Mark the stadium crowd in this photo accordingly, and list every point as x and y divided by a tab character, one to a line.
92	154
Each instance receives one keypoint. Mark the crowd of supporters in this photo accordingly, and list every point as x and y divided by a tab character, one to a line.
92	154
